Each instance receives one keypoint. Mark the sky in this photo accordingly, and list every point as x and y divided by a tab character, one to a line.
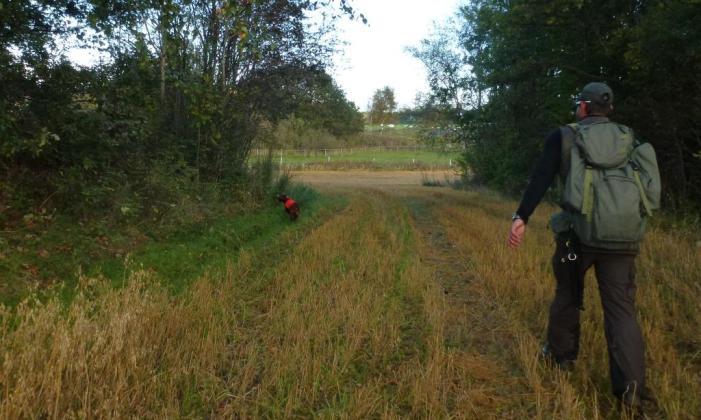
376	53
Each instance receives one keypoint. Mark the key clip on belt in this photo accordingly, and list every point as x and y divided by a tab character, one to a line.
571	256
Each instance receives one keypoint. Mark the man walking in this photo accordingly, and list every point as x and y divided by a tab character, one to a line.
596	159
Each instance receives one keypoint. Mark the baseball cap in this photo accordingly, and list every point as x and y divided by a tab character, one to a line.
597	92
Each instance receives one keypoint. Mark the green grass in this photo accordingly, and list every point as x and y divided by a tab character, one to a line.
362	158
42	257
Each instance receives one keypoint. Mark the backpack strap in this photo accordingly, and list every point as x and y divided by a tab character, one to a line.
643	196
567	136
636	174
588	193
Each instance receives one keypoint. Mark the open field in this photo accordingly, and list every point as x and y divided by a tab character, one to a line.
381	158
402	302
372	179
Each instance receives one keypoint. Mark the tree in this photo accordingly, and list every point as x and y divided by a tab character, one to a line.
307	92
182	92
449	77
383	106
528	59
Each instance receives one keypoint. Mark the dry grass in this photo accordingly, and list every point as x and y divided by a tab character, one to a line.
348	324
520	284
405	304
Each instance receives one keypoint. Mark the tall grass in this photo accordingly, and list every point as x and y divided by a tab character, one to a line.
346	323
405	304
521	284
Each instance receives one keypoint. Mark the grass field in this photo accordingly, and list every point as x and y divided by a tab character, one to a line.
389	302
362	158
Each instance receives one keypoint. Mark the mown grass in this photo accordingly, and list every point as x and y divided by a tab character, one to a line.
520	286
330	325
402	304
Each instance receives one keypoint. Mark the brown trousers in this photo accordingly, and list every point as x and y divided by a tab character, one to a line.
615	274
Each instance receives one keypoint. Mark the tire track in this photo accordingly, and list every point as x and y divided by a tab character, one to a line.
473	326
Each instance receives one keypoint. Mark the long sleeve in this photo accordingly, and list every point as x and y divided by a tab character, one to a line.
543	175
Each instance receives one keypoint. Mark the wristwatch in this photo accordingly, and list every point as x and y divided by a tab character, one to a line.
515	217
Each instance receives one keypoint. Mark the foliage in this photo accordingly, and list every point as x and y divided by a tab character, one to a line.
181	93
527	60
383	106
308	94
297	133
448	74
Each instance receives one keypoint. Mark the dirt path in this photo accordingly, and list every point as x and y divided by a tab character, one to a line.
450	268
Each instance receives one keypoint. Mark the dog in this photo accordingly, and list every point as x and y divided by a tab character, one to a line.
291	206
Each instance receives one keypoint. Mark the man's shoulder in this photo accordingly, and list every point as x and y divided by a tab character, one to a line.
554	136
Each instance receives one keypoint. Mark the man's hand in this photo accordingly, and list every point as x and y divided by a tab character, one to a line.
518	229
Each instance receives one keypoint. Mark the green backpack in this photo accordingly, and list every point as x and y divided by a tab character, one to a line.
611	187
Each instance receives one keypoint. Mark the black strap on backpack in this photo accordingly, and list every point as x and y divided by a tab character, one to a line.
567	135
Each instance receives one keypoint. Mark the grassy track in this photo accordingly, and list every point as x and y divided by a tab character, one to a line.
402	304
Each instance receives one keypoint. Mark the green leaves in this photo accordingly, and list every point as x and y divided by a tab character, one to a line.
382	106
525	60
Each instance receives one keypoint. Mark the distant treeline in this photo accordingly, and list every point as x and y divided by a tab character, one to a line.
180	94
509	70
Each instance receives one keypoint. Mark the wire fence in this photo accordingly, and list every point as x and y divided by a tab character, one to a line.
417	157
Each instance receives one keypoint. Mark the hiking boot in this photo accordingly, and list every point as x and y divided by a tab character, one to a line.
631	406
636	404
565	365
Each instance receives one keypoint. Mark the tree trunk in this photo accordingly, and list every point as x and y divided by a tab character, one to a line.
163	71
